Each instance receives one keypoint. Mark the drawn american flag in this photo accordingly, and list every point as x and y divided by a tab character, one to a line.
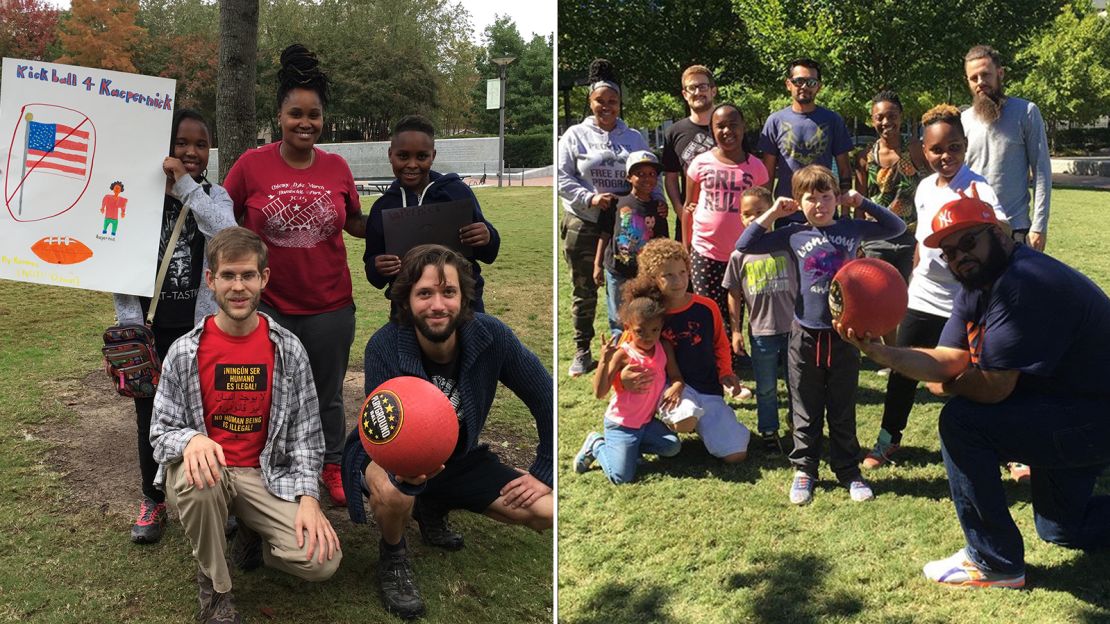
57	148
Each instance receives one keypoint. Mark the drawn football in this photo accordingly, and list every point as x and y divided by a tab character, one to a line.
61	250
408	426
868	295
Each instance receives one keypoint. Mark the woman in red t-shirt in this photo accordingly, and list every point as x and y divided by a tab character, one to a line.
300	199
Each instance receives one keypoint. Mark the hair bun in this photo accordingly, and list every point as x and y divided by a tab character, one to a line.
301	69
602	69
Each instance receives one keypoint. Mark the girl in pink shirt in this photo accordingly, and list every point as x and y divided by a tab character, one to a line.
631	428
715	182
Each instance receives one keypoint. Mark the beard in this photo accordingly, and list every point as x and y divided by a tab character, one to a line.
239	314
433	335
988	106
983	274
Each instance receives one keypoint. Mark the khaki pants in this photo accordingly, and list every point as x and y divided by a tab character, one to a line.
240	491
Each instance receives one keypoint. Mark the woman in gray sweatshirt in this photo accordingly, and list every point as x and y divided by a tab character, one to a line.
592	157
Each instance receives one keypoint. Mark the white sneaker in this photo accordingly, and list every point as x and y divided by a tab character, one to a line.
959	571
860	491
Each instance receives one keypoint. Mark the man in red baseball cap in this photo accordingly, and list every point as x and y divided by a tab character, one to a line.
1024	356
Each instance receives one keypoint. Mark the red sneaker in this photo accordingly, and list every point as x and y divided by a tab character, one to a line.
333	481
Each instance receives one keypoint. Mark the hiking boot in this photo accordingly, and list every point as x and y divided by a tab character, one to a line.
215	608
801	490
150	524
582	363
859	490
585	457
1018	472
332	476
959	571
398	583
882	452
434	528
246	549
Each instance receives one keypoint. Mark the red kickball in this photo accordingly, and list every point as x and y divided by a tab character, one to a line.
408	426
868	295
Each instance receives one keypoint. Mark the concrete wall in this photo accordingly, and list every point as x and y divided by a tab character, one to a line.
369	161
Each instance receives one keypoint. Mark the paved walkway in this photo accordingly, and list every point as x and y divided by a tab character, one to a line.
1064	180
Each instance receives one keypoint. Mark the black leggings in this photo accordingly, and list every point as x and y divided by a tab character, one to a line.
144	409
918	329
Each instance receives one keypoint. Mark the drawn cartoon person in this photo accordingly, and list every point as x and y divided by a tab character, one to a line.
113	207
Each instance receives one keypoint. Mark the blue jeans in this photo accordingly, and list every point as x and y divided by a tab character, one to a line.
613	285
1065	441
619	453
766	354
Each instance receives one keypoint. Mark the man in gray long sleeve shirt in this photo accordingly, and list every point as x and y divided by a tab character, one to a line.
1006	139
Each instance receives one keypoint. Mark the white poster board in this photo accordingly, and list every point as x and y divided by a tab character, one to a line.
81	155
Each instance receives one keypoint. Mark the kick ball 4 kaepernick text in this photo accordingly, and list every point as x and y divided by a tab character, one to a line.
868	295
408	426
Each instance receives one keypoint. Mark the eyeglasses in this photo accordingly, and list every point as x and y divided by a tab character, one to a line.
966	243
804	82
250	277
701	87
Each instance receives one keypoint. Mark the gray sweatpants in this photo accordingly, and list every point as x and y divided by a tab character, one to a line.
823	374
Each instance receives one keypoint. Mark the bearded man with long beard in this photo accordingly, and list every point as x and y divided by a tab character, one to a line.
1006	143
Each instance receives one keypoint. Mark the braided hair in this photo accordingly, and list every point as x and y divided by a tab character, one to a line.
300	69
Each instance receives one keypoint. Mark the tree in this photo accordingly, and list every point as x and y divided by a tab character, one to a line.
887	44
235	118
1067	68
27	29
528	85
182	43
101	33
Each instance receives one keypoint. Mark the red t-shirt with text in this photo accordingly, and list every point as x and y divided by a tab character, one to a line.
300	214
236	375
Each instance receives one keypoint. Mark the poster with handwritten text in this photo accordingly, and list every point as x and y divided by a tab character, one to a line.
81	155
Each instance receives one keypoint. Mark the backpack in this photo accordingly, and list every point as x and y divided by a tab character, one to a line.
131	360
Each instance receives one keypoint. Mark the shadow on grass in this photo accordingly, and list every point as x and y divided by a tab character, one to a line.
789	589
619	602
693	461
1087	577
932	489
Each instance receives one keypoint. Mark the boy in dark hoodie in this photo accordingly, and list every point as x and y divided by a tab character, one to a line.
411	153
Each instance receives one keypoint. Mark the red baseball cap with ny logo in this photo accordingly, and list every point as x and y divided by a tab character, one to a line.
960	214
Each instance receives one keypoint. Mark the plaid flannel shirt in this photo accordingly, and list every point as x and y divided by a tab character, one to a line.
294	451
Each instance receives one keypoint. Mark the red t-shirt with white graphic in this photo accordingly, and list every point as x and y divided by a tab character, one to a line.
236	375
300	214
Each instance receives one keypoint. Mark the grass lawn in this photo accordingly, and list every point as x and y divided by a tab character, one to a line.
63	562
694	540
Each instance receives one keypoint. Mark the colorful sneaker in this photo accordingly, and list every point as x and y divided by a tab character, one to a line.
583	363
881	454
801	490
332	477
959	571
585	457
860	491
1018	472
150	524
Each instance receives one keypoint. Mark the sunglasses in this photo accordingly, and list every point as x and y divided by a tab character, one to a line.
804	82
966	243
